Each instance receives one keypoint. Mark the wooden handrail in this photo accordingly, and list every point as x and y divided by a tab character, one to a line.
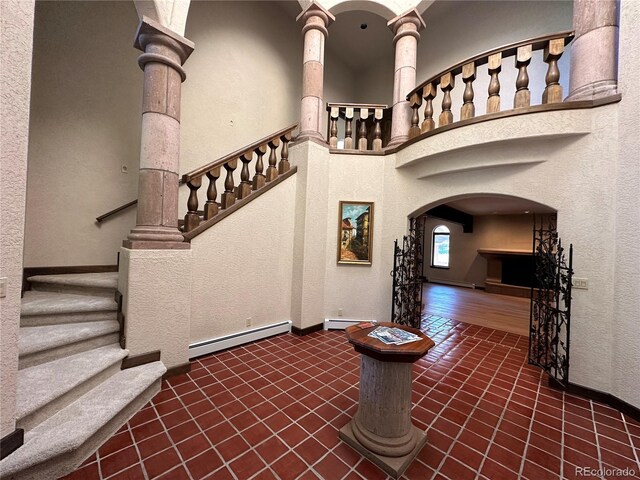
187	177
116	210
537	43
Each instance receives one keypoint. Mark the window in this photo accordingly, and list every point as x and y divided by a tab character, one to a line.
440	247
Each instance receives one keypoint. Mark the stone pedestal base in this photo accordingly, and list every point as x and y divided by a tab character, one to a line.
394	466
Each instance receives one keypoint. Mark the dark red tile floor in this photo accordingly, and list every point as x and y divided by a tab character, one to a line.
272	410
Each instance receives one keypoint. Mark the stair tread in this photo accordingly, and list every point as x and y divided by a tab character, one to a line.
37	339
75	424
91	280
47	303
39	385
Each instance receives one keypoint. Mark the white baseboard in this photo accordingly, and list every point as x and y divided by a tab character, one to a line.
234	339
453	284
341	323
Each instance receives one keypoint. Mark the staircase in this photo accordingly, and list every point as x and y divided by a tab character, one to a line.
71	392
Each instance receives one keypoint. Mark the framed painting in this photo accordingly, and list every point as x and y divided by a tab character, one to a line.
355	232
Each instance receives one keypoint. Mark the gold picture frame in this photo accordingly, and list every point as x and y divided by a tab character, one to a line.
355	232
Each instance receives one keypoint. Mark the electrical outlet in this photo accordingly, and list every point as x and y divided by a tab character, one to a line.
581	283
339	312
3	287
248	323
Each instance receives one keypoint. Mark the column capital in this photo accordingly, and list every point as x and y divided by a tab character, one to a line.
409	23
316	17
151	32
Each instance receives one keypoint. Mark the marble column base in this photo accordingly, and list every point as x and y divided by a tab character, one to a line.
394	466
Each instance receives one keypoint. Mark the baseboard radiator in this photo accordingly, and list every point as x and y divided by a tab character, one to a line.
341	323
240	338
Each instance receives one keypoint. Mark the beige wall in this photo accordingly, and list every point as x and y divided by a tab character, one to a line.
243	82
16	18
242	267
489	231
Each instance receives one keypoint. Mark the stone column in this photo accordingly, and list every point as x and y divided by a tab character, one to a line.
316	21
164	54
405	28
594	52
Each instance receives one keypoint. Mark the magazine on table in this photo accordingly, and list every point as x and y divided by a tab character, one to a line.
393	336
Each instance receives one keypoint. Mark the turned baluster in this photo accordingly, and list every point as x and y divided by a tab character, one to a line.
523	95
552	53
284	166
447	82
192	219
468	109
228	198
348	128
272	171
259	178
211	207
415	101
494	67
333	127
244	189
362	130
429	92
377	130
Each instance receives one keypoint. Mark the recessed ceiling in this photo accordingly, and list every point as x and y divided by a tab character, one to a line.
498	205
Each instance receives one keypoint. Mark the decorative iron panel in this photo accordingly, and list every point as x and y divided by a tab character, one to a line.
406	307
549	324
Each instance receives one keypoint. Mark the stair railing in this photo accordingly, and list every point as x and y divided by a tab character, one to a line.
248	184
356	126
552	47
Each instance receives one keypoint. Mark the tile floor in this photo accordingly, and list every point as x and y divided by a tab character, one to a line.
272	410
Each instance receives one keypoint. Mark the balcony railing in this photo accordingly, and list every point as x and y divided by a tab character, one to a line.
552	47
370	131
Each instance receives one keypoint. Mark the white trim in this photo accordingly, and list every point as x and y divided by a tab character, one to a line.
342	323
454	284
240	338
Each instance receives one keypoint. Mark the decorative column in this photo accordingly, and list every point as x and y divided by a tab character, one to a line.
406	28
164	54
594	52
316	21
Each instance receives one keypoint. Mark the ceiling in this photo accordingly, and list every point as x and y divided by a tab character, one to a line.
498	205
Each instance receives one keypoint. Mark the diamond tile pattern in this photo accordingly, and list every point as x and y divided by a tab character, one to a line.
272	410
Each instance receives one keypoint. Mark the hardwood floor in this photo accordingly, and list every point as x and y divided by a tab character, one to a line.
502	312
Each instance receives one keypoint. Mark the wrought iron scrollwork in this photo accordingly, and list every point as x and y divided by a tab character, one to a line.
549	326
406	307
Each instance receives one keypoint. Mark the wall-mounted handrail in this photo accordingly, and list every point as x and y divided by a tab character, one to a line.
104	216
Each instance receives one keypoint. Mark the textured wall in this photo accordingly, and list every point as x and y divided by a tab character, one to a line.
626	341
16	21
242	267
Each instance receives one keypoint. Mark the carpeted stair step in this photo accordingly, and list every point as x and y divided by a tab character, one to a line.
45	389
38	345
61	443
93	284
48	308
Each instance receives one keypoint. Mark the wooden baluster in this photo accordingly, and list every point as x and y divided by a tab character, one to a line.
523	95
429	92
333	127
284	166
415	101
228	198
272	171
468	109
447	82
259	178
494	67
192	218
348	128
362	131
244	189
377	131
211	207
552	53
